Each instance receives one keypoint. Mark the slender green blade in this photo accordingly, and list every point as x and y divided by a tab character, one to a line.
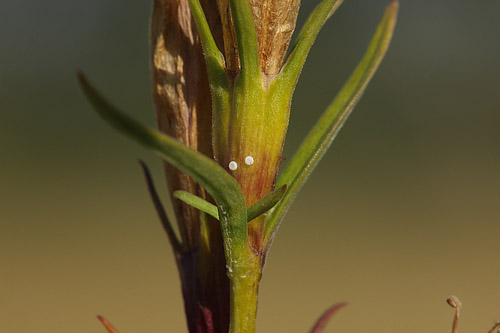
305	39
222	187
217	77
246	38
321	136
213	57
197	202
266	203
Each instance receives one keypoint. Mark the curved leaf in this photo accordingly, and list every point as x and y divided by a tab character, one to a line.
222	187
320	325
321	136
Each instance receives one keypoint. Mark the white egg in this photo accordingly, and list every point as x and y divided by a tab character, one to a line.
233	165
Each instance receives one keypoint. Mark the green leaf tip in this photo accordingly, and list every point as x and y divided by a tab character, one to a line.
325	130
305	39
197	202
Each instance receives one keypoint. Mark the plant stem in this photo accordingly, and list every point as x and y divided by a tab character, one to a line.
244	289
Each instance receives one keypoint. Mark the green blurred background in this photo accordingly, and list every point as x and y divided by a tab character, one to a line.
402	212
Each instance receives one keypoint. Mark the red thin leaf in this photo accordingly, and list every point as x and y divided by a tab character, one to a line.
160	210
497	325
107	324
325	317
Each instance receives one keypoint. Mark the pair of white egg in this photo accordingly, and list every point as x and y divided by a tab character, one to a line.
233	165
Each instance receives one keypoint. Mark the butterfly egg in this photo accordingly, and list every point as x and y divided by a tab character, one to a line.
249	160
233	165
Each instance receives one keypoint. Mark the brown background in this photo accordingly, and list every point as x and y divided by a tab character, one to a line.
403	211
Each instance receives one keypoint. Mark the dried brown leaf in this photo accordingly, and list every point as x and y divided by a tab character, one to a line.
274	22
181	95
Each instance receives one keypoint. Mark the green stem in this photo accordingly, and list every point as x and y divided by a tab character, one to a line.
244	289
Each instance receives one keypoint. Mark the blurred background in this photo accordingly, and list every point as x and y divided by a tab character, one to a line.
402	212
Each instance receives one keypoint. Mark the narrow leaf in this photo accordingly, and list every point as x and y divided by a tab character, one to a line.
217	77
320	325
266	203
197	202
213	56
321	136
305	39
246	37
167	226
257	209
223	188
494	327
107	325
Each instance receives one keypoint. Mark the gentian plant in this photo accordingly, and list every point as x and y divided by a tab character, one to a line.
222	88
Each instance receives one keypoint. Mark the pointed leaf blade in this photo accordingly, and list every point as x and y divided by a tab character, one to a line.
321	136
246	37
320	325
305	39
